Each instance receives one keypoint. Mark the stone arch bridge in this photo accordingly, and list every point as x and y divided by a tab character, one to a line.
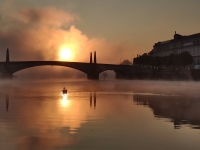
92	69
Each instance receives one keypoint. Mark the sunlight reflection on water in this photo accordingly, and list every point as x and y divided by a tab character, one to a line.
38	116
65	102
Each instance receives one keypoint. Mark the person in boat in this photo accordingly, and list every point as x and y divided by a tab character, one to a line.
64	91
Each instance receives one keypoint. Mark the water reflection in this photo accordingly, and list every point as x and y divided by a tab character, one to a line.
90	99
41	118
95	99
65	102
179	110
7	102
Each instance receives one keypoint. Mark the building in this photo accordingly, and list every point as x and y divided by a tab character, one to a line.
180	43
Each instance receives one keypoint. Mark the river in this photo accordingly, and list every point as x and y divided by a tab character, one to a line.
110	114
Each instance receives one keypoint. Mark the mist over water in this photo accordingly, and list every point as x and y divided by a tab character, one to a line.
104	114
110	114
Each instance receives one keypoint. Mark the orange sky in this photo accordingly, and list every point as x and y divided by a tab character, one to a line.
125	27
115	29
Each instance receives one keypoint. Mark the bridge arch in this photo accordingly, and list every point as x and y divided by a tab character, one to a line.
92	70
13	68
50	72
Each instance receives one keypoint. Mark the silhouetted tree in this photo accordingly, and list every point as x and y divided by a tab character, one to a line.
186	58
126	62
105	75
182	59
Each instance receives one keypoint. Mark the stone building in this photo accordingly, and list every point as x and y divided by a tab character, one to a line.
178	44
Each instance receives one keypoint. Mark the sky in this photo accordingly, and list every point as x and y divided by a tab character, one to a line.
115	29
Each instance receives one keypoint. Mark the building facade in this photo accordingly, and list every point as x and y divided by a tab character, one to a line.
179	44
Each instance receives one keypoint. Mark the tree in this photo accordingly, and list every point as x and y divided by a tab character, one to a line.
186	58
105	75
182	59
126	62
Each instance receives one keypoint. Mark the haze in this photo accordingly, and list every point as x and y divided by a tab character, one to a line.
116	29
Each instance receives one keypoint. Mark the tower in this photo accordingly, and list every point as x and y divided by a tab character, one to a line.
7	56
90	57
95	59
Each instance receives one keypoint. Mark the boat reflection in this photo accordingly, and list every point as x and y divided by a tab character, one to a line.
179	110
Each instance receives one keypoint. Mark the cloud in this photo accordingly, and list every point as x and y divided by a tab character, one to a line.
47	16
35	33
39	34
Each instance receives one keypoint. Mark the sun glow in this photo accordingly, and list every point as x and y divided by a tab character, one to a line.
65	53
64	101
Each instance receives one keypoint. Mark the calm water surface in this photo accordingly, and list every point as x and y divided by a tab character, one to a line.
99	115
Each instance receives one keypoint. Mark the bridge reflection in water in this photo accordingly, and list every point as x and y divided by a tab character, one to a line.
7	102
93	98
92	69
178	109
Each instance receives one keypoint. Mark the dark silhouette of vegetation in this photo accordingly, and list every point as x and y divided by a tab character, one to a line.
126	62
182	59
105	75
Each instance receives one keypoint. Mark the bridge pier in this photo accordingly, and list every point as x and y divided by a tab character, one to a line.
93	76
6	74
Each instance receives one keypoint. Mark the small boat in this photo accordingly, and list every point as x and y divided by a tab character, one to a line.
64	91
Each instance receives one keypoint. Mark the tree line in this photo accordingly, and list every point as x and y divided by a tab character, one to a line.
182	59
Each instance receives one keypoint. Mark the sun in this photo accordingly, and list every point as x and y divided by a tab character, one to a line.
65	54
